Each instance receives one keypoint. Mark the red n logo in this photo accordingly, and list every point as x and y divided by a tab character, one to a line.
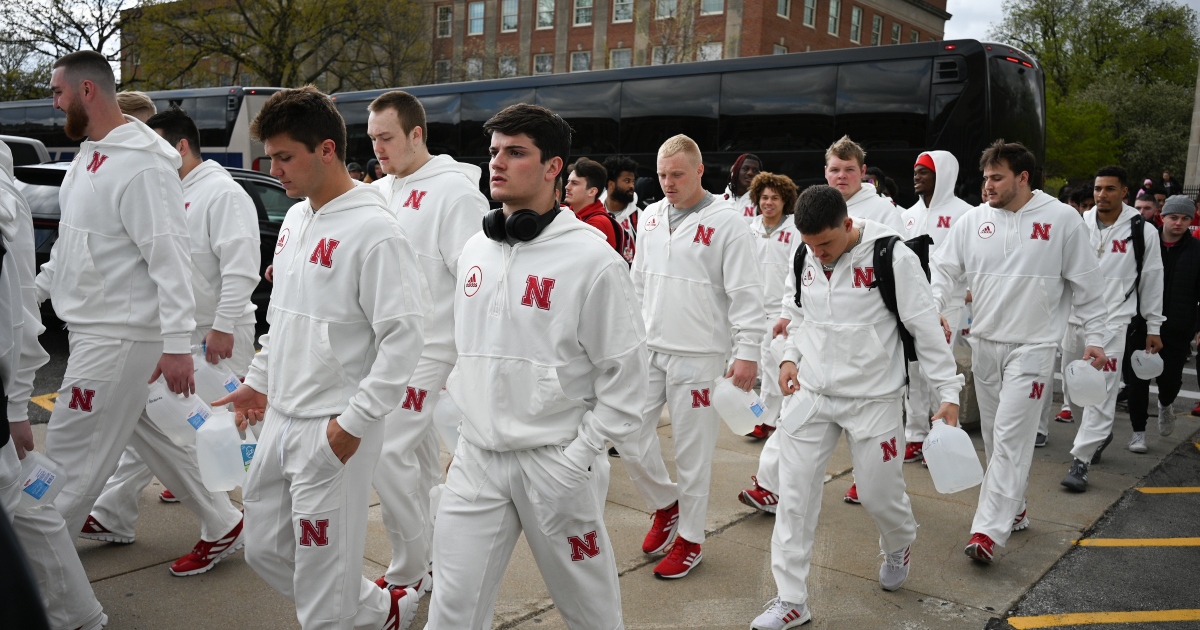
1109	366
703	235
414	199
537	290
864	277
700	398
1120	247
81	399
889	449
97	162
785	237
943	222
1038	389
748	211
314	533
323	254
583	547
414	399
1041	230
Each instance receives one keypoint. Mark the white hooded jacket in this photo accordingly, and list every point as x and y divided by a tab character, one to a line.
944	208
744	204
1113	249
223	224
121	266
439	207
867	204
346	313
776	250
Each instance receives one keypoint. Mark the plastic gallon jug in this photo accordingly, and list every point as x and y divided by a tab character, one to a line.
953	462
249	445
740	409
212	381
41	480
178	417
219	453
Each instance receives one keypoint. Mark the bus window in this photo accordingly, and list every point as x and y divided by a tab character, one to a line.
785	109
441	119
477	107
653	110
45	123
884	104
11	119
214	119
358	145
1017	109
592	109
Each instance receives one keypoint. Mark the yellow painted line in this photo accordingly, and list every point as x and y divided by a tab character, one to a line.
1139	542
45	401
1179	490
1090	618
1197	445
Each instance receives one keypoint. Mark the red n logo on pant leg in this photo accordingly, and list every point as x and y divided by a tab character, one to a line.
314	532
1038	389
889	449
583	547
81	399
700	398
1110	366
414	399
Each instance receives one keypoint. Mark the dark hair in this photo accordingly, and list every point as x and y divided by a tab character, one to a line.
1157	190
781	184
1065	194
176	125
614	165
305	115
549	132
1078	196
1121	174
1146	197
408	109
591	171
89	65
890	187
820	208
1014	155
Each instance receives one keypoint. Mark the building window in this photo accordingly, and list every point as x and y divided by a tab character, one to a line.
784	9
711	7
896	28
545	13
662	55
508	16
914	36
876	30
508	67
474	69
810	13
543	64
581	61
583	12
445	21
620	58
711	51
856	25
665	8
475	18
622	10
779	50
441	71
835	16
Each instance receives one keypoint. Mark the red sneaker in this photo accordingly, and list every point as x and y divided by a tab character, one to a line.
1065	416
93	530
404	608
662	529
205	555
684	556
980	548
166	497
914	452
1021	521
1196	410
420	587
761	432
759	497
852	495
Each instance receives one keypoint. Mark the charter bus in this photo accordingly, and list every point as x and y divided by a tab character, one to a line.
222	114
896	101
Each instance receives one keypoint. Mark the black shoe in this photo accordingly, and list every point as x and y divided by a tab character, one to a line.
1076	478
1103	445
1040	441
612	452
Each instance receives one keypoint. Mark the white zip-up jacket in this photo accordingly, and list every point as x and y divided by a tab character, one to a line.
439	207
551	350
121	267
867	204
223	224
944	209
346	314
699	283
1113	248
628	220
744	205
776	250
845	342
1025	270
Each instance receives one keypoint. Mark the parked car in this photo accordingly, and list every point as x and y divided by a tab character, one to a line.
26	150
40	184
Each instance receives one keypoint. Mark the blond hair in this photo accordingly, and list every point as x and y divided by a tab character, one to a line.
680	144
846	149
136	104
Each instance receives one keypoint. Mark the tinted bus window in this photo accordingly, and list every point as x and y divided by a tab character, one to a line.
45	123
653	110
477	107
11	119
593	111
884	104
358	145
1017	109
442	121
778	110
209	113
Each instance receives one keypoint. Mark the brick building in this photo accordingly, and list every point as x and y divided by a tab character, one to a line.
479	39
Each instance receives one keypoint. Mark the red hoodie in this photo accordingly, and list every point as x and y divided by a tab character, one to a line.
596	215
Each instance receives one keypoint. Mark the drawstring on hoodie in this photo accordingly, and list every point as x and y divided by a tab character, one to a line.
500	302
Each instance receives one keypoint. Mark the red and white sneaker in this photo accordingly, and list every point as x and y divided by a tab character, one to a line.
93	530
662	529
684	557
980	548
420	587
914	452
761	432
404	608
97	624
1022	520
166	497
759	497
1196	410
852	495
205	555
1065	416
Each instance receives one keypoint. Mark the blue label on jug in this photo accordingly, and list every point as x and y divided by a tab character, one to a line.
231	385
196	420
758	409
37	486
248	454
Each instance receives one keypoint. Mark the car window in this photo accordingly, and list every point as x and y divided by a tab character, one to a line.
275	201
43	200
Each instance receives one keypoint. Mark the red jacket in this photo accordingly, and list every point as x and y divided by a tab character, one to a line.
596	215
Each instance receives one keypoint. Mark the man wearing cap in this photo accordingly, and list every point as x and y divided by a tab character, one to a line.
356	171
1180	253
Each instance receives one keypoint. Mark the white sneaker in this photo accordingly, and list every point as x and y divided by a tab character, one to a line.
894	569
1166	422
781	615
1137	443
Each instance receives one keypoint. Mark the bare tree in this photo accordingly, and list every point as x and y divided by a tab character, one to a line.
52	28
673	37
22	74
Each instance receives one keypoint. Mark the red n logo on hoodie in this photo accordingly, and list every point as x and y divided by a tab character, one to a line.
1041	230
864	277
704	235
414	199
537	291
943	222
96	163
323	253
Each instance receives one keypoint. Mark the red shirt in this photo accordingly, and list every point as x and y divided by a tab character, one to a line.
596	215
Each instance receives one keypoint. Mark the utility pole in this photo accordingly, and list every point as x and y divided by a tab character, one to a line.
1191	177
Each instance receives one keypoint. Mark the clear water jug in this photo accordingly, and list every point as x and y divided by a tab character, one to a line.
41	480
249	445
219	453
953	462
178	417
740	409
212	381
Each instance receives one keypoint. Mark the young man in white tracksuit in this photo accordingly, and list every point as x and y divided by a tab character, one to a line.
223	229
551	364
1109	232
437	203
842	383
1027	260
621	201
845	169
936	210
745	168
697	278
346	320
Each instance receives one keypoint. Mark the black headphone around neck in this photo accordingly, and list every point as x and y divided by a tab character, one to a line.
522	225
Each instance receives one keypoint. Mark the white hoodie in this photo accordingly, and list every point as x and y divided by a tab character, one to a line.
628	220
699	283
1025	270
121	267
346	313
551	350
223	224
776	251
744	204
1114	253
867	204
439	207
944	208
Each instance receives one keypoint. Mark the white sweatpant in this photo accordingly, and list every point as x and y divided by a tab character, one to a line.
768	464
923	400
1071	348
50	548
684	385
771	395
1011	380
805	444
491	498
1097	422
306	522
408	469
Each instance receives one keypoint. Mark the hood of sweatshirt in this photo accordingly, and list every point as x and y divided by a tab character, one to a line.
864	194
136	136
6	159
205	170
946	170
590	210
437	165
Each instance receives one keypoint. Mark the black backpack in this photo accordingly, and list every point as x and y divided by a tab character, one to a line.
1137	229
620	235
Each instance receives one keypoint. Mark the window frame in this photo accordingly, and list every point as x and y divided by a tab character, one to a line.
440	76
515	15
914	36
468	74
448	22
718	12
786	5
500	67
577	54
624	3
779	49
540	11
549	56
835	18
655	56
576	9
897	32
719	45
616	50
659	4
471	20
876	30
856	15
810	14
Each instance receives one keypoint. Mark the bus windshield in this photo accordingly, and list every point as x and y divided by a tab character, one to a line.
1017	106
